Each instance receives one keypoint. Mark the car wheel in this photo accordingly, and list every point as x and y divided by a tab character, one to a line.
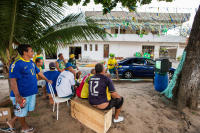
170	75
128	75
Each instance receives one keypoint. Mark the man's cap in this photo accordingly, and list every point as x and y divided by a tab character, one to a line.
68	65
52	65
72	56
112	55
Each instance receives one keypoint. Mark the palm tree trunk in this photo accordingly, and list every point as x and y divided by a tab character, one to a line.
13	23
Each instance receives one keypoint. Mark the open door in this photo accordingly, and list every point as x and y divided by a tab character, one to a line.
76	51
106	50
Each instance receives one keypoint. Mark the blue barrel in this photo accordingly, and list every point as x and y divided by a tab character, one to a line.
160	82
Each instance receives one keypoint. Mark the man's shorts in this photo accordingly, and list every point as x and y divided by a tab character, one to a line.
29	106
112	71
117	103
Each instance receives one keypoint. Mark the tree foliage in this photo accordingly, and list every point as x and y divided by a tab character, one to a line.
108	5
41	23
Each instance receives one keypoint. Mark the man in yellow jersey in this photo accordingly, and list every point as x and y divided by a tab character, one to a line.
39	56
112	65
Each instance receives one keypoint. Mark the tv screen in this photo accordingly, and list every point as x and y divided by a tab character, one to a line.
158	64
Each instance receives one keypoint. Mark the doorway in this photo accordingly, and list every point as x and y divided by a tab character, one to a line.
106	50
76	51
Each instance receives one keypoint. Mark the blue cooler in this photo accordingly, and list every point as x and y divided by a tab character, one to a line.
160	82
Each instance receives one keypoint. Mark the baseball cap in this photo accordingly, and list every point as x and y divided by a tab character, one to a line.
52	65
68	65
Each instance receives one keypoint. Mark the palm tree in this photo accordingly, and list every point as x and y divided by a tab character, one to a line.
37	22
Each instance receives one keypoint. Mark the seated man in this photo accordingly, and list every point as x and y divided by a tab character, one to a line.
83	90
102	94
65	82
41	83
51	75
72	60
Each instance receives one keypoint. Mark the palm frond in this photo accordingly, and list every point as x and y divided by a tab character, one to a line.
73	28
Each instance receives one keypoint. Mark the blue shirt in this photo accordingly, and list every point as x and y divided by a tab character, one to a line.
51	75
25	73
100	89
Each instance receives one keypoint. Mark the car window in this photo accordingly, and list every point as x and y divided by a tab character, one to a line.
150	62
138	62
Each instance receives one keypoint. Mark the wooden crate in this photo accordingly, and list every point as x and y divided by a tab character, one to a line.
5	114
95	119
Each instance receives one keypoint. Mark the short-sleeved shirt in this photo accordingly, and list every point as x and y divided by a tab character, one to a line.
100	89
113	62
64	84
73	62
61	64
25	73
51	75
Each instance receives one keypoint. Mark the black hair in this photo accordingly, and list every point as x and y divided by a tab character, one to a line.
23	48
37	60
59	54
99	68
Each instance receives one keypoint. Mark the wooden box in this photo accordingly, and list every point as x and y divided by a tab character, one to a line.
95	119
5	114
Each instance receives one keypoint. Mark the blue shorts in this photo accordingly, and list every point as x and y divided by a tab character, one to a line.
29	106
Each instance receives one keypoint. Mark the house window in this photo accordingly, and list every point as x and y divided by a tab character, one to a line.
116	31
90	47
85	47
122	31
148	49
96	47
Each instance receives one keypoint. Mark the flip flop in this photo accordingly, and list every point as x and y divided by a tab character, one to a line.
7	130
30	130
11	128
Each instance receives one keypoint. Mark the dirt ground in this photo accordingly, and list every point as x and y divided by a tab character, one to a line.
145	111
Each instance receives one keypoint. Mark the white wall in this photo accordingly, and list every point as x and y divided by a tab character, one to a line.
179	51
119	48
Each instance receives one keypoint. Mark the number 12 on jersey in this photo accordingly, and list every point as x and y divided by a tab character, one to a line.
93	86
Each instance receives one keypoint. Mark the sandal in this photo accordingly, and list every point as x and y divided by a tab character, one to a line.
30	130
11	129
7	130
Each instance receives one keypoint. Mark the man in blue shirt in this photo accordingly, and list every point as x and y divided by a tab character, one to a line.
102	94
51	75
23	81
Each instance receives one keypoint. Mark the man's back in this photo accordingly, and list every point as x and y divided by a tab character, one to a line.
100	87
51	75
64	84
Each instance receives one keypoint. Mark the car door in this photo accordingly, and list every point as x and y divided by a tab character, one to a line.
138	67
149	66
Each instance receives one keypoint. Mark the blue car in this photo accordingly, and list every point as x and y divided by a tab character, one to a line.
138	67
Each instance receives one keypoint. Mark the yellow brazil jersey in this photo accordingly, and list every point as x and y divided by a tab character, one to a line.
113	62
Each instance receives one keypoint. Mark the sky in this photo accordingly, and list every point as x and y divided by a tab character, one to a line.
177	6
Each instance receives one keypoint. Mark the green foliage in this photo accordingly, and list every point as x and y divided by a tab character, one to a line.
108	5
38	23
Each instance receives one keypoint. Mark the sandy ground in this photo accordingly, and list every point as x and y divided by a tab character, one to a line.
145	111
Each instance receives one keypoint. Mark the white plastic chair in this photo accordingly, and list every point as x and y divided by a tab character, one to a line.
57	100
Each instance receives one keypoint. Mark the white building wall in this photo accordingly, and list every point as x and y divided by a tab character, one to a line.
179	51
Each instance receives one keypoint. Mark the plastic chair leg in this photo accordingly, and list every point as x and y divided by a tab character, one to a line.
57	110
53	106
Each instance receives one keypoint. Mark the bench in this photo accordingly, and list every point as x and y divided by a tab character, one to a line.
95	119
